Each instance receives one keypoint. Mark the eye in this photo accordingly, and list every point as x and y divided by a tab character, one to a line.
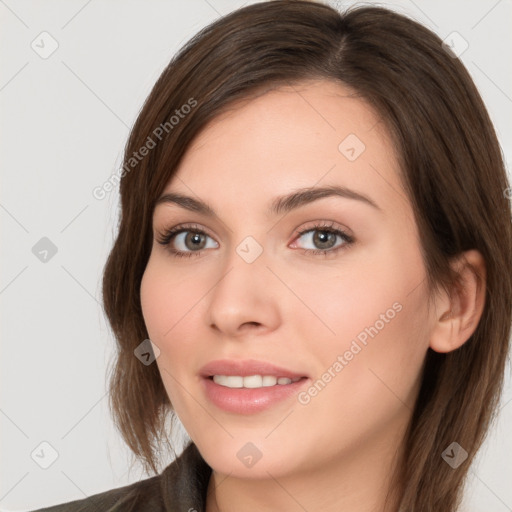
190	240
324	235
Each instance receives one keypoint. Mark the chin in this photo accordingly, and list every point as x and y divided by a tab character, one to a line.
251	456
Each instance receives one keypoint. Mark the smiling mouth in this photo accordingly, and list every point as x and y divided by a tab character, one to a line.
252	381
253	393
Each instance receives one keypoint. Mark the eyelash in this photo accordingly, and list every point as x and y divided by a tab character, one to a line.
166	237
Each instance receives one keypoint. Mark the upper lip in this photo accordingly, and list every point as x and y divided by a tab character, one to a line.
246	367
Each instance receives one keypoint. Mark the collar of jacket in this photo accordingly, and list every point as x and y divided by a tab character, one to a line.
185	482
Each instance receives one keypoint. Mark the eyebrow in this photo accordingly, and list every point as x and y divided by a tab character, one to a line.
279	205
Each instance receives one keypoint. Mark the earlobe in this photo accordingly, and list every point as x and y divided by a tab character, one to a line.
459	314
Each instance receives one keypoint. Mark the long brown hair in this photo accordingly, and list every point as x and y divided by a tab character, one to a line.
451	167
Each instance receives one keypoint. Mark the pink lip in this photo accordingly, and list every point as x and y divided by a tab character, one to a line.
248	400
245	368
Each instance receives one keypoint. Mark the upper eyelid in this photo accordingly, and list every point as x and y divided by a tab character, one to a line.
197	226
308	226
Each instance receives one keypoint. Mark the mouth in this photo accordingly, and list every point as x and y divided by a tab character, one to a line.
250	386
252	381
257	394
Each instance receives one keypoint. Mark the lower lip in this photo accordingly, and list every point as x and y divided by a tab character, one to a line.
250	400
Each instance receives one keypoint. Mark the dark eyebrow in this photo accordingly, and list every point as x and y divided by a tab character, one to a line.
279	205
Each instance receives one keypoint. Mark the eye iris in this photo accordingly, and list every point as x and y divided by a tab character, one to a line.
196	239
321	237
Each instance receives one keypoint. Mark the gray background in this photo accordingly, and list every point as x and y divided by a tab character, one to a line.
64	122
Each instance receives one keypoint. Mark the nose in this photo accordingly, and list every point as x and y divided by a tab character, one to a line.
245	299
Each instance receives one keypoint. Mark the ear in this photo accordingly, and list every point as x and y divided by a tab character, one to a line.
457	316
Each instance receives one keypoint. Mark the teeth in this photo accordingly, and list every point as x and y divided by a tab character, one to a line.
251	381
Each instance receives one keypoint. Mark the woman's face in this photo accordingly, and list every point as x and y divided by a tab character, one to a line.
352	323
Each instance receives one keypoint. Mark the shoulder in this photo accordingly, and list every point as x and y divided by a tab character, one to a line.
116	500
181	486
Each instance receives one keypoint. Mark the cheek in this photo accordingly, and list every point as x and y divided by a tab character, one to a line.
367	376
165	301
171	306
341	302
166	298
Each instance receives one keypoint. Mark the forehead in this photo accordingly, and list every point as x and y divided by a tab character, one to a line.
313	133
313	109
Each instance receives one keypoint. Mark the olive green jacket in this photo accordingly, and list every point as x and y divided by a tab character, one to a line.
181	487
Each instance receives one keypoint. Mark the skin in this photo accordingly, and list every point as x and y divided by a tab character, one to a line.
299	310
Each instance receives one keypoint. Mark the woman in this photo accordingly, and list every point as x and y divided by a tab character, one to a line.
315	236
